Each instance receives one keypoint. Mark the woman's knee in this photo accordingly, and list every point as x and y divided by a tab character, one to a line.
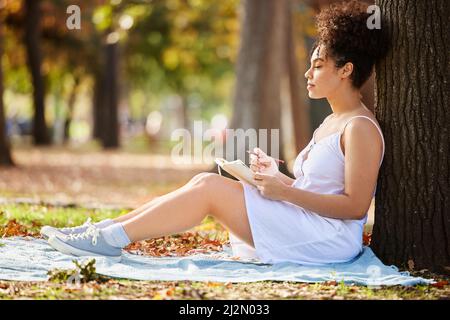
207	179
216	186
210	179
197	177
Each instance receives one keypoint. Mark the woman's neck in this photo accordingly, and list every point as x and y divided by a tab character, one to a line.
345	103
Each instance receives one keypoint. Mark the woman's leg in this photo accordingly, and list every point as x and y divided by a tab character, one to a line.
154	201
184	208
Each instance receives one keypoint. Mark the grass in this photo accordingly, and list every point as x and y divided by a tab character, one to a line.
32	217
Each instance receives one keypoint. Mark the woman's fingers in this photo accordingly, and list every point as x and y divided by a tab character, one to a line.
259	152
259	155
264	163
254	160
258	164
255	167
260	161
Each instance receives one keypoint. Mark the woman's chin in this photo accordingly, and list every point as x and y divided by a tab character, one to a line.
313	96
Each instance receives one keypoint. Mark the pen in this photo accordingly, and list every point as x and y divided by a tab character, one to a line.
278	160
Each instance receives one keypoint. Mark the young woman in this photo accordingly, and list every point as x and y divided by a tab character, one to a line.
316	218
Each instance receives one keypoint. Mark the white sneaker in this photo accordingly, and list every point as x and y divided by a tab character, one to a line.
88	243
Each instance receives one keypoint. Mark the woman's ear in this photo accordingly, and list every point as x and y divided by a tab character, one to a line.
346	70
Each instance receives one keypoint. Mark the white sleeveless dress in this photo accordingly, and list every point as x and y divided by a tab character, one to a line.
283	231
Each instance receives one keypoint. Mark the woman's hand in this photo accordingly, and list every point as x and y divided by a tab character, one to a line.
262	162
270	186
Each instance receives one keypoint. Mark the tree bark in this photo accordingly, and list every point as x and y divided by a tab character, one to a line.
5	151
412	212
110	121
368	93
259	70
32	38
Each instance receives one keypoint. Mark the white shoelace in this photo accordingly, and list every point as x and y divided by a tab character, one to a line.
86	223
92	231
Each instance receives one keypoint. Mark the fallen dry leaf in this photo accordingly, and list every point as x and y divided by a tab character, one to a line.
14	228
183	244
366	238
440	284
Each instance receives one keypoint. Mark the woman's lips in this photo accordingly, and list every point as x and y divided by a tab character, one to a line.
309	86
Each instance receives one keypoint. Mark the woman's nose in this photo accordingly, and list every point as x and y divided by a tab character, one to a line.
307	73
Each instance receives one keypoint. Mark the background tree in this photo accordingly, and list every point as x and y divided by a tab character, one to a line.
5	152
296	67
259	69
187	51
412	212
107	101
34	59
110	132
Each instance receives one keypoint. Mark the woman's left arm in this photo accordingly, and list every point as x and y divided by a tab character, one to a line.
363	148
337	206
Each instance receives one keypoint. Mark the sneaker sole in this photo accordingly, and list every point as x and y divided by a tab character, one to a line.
68	249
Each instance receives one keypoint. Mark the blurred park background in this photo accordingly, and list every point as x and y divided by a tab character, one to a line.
89	109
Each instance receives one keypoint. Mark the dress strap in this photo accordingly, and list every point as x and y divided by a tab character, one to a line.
379	130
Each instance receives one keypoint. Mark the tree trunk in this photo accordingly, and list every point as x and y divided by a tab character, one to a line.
97	104
5	152
412	212
110	122
32	38
70	107
259	71
185	111
368	94
299	107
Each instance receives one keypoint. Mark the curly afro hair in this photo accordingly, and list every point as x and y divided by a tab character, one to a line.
343	32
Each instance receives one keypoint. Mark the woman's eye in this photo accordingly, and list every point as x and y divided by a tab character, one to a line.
317	67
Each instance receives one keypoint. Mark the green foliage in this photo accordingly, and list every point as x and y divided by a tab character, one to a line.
84	272
103	17
167	47
183	48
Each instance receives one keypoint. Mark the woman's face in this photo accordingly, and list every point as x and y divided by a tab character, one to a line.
323	77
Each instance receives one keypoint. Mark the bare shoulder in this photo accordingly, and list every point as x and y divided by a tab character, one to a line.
361	123
362	159
362	130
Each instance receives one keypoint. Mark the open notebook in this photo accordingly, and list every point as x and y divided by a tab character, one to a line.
237	169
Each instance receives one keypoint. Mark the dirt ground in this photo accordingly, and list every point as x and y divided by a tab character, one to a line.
99	177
